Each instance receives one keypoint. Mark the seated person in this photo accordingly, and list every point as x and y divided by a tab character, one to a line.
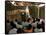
13	30
28	29
38	29
18	24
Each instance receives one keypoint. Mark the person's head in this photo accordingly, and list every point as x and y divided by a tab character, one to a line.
29	20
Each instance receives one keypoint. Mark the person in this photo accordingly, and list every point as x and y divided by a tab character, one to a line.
33	19
13	24
35	22
14	29
34	25
19	30
42	21
29	20
43	26
18	24
39	28
28	29
8	26
15	21
27	25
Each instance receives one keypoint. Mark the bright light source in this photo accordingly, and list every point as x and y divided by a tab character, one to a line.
41	5
13	2
27	9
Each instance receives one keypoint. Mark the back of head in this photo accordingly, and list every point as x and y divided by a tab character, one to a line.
29	19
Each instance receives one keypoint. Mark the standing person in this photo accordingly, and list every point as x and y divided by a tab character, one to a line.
42	22
39	26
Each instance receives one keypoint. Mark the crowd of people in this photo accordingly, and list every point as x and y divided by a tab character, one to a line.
30	25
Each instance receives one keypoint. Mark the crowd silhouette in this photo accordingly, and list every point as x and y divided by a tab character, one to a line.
30	25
